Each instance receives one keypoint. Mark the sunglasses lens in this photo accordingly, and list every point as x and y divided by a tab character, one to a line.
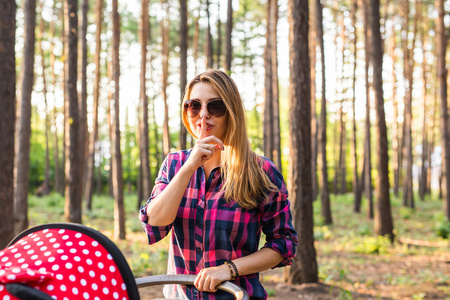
192	108
217	108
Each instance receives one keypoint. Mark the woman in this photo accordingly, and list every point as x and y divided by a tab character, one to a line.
218	197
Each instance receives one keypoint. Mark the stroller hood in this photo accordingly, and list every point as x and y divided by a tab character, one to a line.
64	261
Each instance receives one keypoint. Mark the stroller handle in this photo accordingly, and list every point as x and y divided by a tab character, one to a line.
183	279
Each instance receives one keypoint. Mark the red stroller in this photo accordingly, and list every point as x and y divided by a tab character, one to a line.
66	261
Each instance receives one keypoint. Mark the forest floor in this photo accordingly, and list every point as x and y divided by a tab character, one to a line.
352	262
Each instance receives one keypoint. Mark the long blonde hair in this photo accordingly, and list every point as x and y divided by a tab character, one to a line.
244	178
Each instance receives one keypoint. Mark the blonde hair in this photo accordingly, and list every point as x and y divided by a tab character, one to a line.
244	178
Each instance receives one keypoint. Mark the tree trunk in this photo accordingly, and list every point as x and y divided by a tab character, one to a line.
324	195
275	88
312	58
143	104
219	39
72	209
355	182
44	189
195	40
183	66
7	119
442	77
228	45
304	268
268	89
63	13
116	155
367	144
22	162
94	135
395	126
165	75
425	143
208	44
57	177
383	217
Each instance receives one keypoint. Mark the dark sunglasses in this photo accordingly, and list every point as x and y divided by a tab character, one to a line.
216	108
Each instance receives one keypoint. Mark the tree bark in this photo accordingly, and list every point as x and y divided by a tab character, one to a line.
219	39
116	155
22	162
355	182
143	104
314	123
268	133
275	86
165	75
93	138
442	77
383	216
208	44
425	143
304	268
183	66
367	143
7	119
84	133
324	195
396	150
72	209
228	45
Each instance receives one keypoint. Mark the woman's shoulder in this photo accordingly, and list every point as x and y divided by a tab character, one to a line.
272	171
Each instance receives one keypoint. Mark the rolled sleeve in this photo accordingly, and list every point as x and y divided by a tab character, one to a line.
278	228
155	233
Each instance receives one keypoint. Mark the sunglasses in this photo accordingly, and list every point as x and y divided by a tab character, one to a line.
216	108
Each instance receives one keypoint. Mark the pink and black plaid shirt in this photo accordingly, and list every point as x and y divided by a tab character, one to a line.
208	230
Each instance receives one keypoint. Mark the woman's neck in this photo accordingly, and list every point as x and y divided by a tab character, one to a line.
212	163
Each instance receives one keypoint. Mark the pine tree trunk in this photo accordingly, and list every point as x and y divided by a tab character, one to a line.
165	75
442	77
84	133
268	133
116	155
314	123
219	40
195	40
63	13
383	217
425	144
208	44
228	45
93	138
395	126
355	182
367	144
7	119
324	195
304	268
23	127
143	105
183	66
73	191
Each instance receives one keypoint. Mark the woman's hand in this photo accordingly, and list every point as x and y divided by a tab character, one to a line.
208	279
204	149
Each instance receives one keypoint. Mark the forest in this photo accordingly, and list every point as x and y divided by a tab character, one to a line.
347	98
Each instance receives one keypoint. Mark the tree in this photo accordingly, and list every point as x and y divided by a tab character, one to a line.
304	268
22	163
183	66
164	25
143	104
93	138
324	194
73	149
442	77
83	131
383	216
7	119
208	45
312	58
228	45
116	156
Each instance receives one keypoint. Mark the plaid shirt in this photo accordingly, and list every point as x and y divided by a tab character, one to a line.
208	230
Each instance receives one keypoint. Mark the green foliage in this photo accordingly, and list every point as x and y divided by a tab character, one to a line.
373	245
405	212
443	230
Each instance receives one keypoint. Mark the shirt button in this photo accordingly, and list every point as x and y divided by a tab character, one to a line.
212	176
288	237
199	224
203	198
198	249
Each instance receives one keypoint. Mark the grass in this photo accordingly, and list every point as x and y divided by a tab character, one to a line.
349	254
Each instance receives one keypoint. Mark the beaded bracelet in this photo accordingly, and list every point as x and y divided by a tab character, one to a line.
233	276
236	272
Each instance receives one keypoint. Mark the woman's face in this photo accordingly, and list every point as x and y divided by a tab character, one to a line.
215	125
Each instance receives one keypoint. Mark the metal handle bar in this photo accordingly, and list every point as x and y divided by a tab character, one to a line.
226	286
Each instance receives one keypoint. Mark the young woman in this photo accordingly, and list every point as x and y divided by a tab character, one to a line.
218	197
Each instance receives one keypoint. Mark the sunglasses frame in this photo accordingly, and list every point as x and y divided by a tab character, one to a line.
216	115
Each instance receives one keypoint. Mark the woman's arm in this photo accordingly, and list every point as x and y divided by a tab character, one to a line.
263	259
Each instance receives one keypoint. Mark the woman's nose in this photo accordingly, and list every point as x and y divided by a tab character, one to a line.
204	112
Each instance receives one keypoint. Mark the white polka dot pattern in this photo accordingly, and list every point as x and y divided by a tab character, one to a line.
65	264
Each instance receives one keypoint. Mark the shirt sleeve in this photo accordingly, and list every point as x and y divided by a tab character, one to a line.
156	233
277	222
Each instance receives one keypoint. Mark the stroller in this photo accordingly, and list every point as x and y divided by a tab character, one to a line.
67	261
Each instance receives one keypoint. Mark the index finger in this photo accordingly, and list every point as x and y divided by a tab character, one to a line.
203	129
